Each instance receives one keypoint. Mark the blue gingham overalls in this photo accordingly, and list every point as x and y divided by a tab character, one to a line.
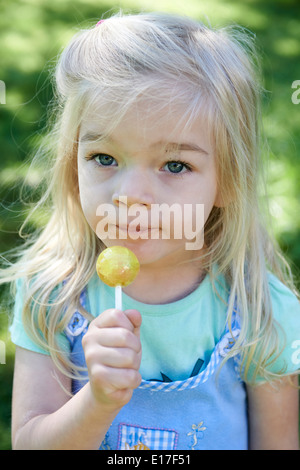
207	411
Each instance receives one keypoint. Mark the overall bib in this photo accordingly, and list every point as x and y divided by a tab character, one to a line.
204	412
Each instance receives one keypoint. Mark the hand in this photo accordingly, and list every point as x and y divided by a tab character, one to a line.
113	354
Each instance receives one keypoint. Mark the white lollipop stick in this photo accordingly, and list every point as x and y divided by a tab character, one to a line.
118	297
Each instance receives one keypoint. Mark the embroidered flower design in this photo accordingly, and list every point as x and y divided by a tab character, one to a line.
197	433
77	324
227	342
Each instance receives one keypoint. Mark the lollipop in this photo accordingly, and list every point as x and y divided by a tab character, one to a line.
117	267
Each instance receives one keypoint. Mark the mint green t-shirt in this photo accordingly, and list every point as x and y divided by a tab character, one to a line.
178	338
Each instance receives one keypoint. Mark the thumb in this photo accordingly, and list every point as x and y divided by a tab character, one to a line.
136	319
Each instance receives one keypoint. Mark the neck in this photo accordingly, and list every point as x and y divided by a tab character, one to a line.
166	285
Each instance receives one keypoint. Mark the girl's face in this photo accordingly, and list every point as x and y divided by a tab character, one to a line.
129	182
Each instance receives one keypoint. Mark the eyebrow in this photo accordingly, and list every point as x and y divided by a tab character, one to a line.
91	137
190	146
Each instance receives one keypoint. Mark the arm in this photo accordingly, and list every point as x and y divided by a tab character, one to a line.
274	416
45	417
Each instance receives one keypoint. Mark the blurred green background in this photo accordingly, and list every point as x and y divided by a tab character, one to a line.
32	32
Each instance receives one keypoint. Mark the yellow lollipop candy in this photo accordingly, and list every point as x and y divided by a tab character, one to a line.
117	266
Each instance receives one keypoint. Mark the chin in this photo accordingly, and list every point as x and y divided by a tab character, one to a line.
153	252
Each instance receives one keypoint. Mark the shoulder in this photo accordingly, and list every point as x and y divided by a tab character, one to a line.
283	299
286	314
285	305
21	331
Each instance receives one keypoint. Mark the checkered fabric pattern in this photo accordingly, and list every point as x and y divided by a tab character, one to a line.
141	438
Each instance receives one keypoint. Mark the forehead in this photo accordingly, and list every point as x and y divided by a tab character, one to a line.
148	123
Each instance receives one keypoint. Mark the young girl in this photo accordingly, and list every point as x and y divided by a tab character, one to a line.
155	109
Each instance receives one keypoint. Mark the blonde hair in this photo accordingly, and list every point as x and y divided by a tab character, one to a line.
115	64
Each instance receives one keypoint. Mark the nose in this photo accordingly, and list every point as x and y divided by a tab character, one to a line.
135	188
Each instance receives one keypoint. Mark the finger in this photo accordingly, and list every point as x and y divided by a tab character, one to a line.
135	318
113	318
118	338
121	358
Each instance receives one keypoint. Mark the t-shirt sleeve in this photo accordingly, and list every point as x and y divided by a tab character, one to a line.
18	333
286	312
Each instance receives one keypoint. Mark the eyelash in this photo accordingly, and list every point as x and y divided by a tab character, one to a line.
186	165
94	155
181	162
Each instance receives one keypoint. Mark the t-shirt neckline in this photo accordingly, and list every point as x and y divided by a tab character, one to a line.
165	308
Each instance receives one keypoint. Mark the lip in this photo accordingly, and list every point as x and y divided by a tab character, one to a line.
135	229
147	232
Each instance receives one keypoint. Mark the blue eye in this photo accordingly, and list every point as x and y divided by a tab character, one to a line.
178	167
103	160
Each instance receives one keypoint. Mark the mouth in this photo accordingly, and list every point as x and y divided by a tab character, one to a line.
133	228
137	229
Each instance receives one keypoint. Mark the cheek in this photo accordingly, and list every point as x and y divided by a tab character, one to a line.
208	205
89	209
88	199
204	192
209	193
